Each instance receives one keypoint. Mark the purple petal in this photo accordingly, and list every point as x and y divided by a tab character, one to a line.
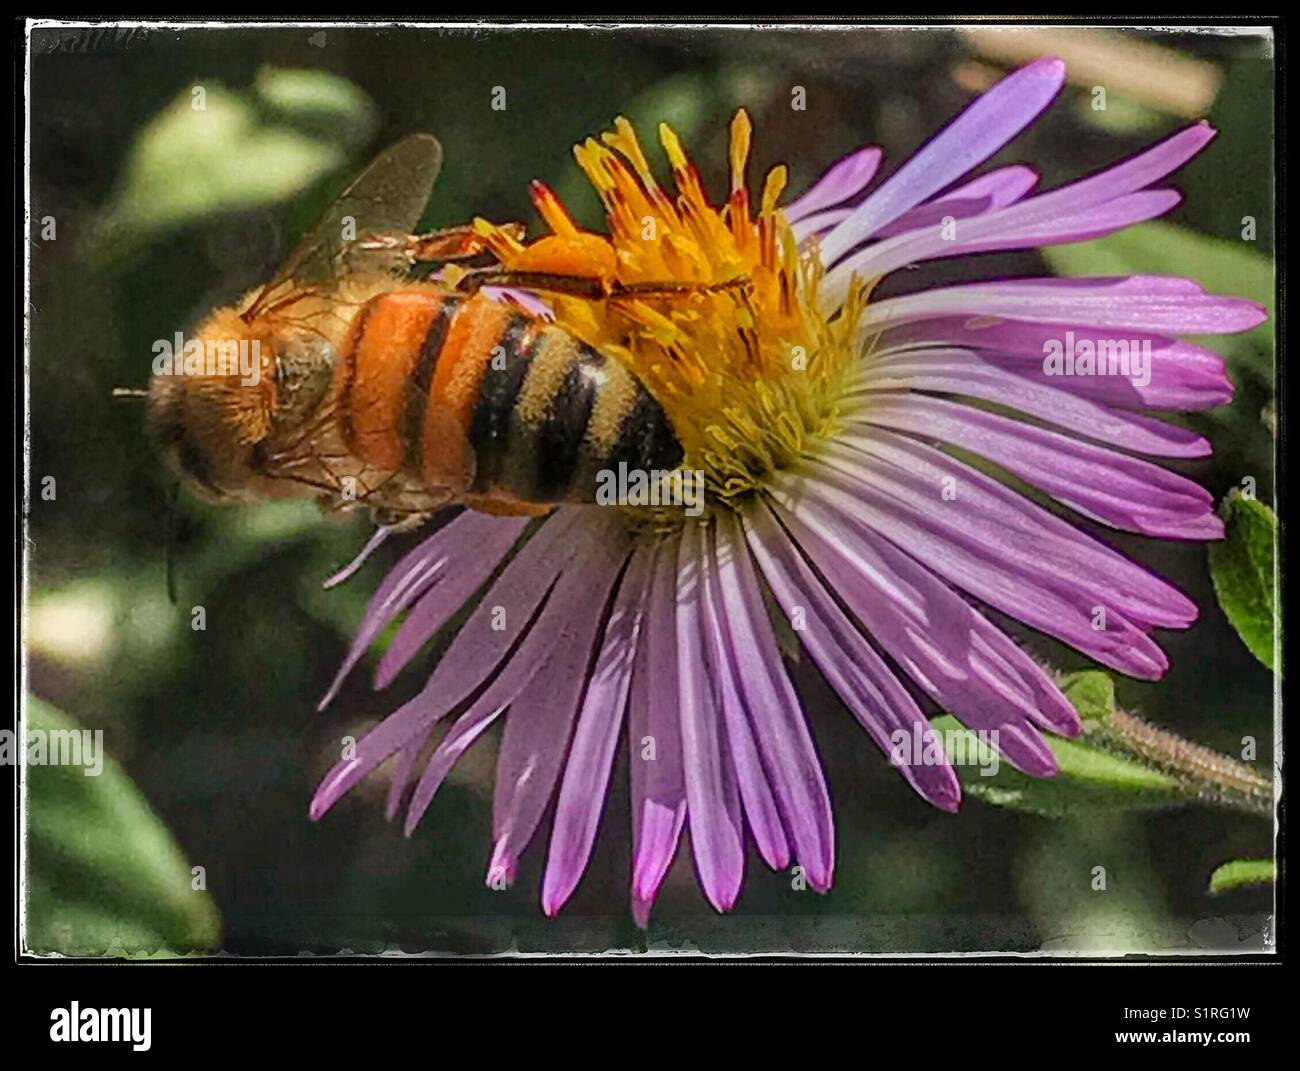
779	726
485	640
1137	173
991	121
468	728
534	745
474	655
552	657
964	372
1182	376
402	770
586	775
712	805
1102	484
408	728
845	178
995	231
911	476
1156	304
849	663
740	747
1101	204
1000	547
963	662
997	189
819	223
545	555
474	541
375	541
654	740
1089	208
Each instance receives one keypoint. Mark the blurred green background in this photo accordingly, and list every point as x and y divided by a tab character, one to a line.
162	212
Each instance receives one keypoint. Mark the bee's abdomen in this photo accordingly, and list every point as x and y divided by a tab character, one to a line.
553	412
469	395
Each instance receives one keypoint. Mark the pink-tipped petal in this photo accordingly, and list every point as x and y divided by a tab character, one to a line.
881	705
595	739
654	736
1171	375
739	746
712	801
542	682
473	542
968	666
780	729
1105	485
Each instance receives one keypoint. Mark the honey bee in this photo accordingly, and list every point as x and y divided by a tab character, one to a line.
375	387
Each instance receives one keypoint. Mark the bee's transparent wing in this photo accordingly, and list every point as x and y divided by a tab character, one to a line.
387	197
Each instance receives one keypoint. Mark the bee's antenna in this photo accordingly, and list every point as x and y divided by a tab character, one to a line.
124	393
169	529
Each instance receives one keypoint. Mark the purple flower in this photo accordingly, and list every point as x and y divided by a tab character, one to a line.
812	412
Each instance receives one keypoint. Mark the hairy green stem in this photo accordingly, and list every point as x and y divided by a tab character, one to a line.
1205	774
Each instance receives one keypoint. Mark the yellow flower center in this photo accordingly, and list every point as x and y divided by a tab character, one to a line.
714	309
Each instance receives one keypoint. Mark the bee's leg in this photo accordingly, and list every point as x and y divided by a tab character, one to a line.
453	244
506	507
447	246
396	520
577	285
654	288
590	287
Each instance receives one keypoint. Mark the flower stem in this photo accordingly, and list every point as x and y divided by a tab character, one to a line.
1207	775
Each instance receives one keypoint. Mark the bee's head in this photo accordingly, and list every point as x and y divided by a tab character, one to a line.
215	405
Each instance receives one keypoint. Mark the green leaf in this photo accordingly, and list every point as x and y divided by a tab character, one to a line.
215	150
1122	114
104	876
1094	777
1092	692
1241	873
1220	265
1243	569
308	97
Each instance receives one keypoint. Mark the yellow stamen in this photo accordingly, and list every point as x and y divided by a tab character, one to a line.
746	367
741	129
552	211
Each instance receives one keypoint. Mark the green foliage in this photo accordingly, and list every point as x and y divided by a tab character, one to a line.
236	150
1093	694
1241	873
1243	567
1243	108
104	877
1123	114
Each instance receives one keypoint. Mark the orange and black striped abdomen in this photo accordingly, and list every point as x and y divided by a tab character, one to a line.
470	395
